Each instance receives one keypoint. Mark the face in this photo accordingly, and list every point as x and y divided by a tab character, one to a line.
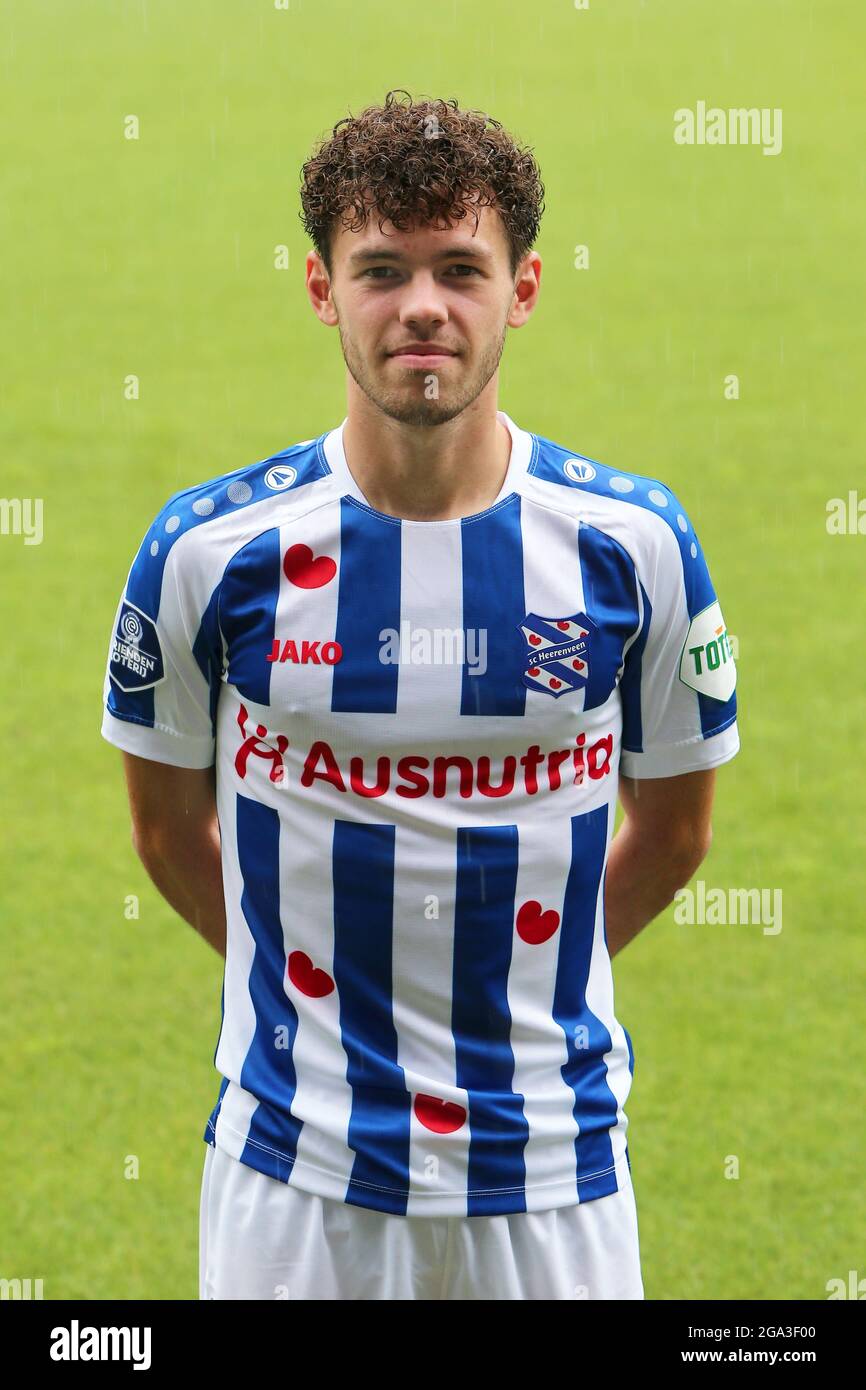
448	293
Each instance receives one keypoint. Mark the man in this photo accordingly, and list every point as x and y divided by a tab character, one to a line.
376	695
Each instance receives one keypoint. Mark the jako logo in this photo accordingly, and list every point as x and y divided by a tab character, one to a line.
737	126
288	651
76	1343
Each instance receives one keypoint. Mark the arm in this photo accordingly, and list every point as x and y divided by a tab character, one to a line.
176	836
679	705
664	837
160	696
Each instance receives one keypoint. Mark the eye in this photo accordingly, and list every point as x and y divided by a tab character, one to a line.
377	270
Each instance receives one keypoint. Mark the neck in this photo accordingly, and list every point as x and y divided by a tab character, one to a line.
428	472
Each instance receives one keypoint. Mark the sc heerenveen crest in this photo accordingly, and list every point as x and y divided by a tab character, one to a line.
707	662
557	652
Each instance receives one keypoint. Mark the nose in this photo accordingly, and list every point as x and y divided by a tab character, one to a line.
422	302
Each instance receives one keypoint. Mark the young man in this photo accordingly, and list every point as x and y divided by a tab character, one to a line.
377	695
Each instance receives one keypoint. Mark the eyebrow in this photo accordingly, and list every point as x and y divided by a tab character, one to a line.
463	253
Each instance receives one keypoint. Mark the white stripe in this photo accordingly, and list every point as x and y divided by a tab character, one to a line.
537	1039
431	598
323	1096
599	999
307	613
322	1099
239	1023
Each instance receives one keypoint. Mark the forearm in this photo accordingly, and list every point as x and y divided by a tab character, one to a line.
188	873
643	876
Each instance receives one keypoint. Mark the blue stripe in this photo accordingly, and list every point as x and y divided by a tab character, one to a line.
248	613
182	513
610	599
134	705
268	1072
481	1018
715	714
210	1127
549	465
379	1125
222	1010
494	602
630	684
368	602
207	650
630	1050
587	1040
547	628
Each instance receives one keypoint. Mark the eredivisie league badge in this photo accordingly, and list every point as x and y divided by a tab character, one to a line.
557	652
136	656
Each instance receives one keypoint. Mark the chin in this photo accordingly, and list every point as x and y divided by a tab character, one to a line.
420	412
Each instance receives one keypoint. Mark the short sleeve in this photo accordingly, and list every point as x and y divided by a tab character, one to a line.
165	657
678	686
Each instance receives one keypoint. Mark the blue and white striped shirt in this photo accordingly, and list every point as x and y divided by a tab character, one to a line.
417	729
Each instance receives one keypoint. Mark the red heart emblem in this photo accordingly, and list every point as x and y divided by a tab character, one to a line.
563	626
535	925
305	977
554	683
578	665
442	1116
534	639
300	568
533	671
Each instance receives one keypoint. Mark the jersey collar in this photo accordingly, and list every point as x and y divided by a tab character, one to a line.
521	452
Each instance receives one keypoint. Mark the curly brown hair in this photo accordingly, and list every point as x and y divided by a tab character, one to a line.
422	162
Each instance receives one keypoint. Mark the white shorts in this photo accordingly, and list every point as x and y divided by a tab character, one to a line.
264	1239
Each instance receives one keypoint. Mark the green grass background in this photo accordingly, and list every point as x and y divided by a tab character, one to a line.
155	257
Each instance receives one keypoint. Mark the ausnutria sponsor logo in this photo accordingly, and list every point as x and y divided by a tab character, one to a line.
420	775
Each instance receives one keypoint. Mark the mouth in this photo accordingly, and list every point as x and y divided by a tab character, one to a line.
422	357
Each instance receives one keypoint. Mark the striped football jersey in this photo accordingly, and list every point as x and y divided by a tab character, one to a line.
417	730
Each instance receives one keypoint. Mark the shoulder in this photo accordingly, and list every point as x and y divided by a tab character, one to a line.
202	526
228	495
641	512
